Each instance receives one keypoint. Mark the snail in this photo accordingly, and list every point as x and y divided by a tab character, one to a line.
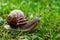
18	21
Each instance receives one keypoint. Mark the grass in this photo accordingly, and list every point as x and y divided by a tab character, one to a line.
49	25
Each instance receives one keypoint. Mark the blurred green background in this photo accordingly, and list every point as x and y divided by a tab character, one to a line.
49	26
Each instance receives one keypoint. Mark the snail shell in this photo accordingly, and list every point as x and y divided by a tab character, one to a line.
16	18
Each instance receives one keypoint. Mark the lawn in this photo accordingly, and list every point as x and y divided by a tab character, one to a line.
48	27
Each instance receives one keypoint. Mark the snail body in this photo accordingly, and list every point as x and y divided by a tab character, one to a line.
16	18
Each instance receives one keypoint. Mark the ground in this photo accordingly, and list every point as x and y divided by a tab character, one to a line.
48	27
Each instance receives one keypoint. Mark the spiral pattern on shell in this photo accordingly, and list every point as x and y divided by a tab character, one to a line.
16	18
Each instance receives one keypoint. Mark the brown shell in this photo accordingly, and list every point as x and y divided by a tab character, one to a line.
16	18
